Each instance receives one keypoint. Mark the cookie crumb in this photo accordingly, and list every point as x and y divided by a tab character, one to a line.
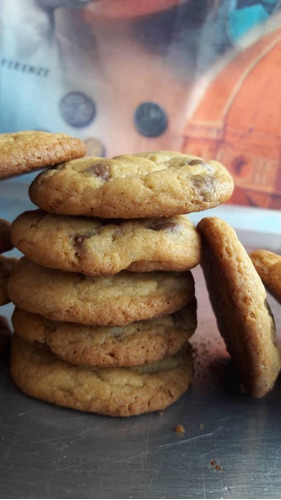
180	429
216	466
161	413
201	426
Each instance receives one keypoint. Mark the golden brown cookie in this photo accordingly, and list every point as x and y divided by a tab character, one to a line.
268	265
5	334
96	246
134	344
119	392
102	300
142	185
5	236
239	301
6	266
29	150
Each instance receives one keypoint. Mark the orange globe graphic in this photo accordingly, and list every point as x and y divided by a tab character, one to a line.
238	122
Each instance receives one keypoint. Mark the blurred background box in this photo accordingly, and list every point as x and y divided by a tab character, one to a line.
198	76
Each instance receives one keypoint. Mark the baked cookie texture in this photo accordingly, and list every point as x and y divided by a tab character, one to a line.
31	149
268	266
135	344
142	185
113	391
5	236
239	301
102	300
6	266
98	246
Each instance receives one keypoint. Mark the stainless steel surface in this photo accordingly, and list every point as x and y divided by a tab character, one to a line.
231	447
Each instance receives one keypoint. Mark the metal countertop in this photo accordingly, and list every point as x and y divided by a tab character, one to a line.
231	447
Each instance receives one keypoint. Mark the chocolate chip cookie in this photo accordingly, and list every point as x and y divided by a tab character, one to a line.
239	301
268	265
135	344
29	150
119	392
94	247
142	185
101	300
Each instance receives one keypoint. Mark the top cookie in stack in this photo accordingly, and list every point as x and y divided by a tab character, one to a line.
160	184
98	284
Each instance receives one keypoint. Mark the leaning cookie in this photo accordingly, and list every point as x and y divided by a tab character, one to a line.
133	186
101	300
94	247
119	392
135	344
6	266
5	334
29	150
268	265
239	301
5	236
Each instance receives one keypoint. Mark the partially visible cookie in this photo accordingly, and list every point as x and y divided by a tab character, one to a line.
5	236
268	265
135	344
5	334
119	392
29	150
6	266
96	246
142	185
239	301
102	300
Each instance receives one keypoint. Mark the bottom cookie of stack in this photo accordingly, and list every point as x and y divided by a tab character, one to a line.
108	391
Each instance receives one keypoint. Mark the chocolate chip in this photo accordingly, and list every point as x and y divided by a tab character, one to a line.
198	161
80	238
205	184
163	225
194	162
100	170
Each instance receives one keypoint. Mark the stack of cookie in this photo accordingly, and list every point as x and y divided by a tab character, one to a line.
110	299
22	152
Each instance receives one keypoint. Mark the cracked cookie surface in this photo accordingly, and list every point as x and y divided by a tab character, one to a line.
142	185
238	298
114	300
94	247
135	344
112	391
32	149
